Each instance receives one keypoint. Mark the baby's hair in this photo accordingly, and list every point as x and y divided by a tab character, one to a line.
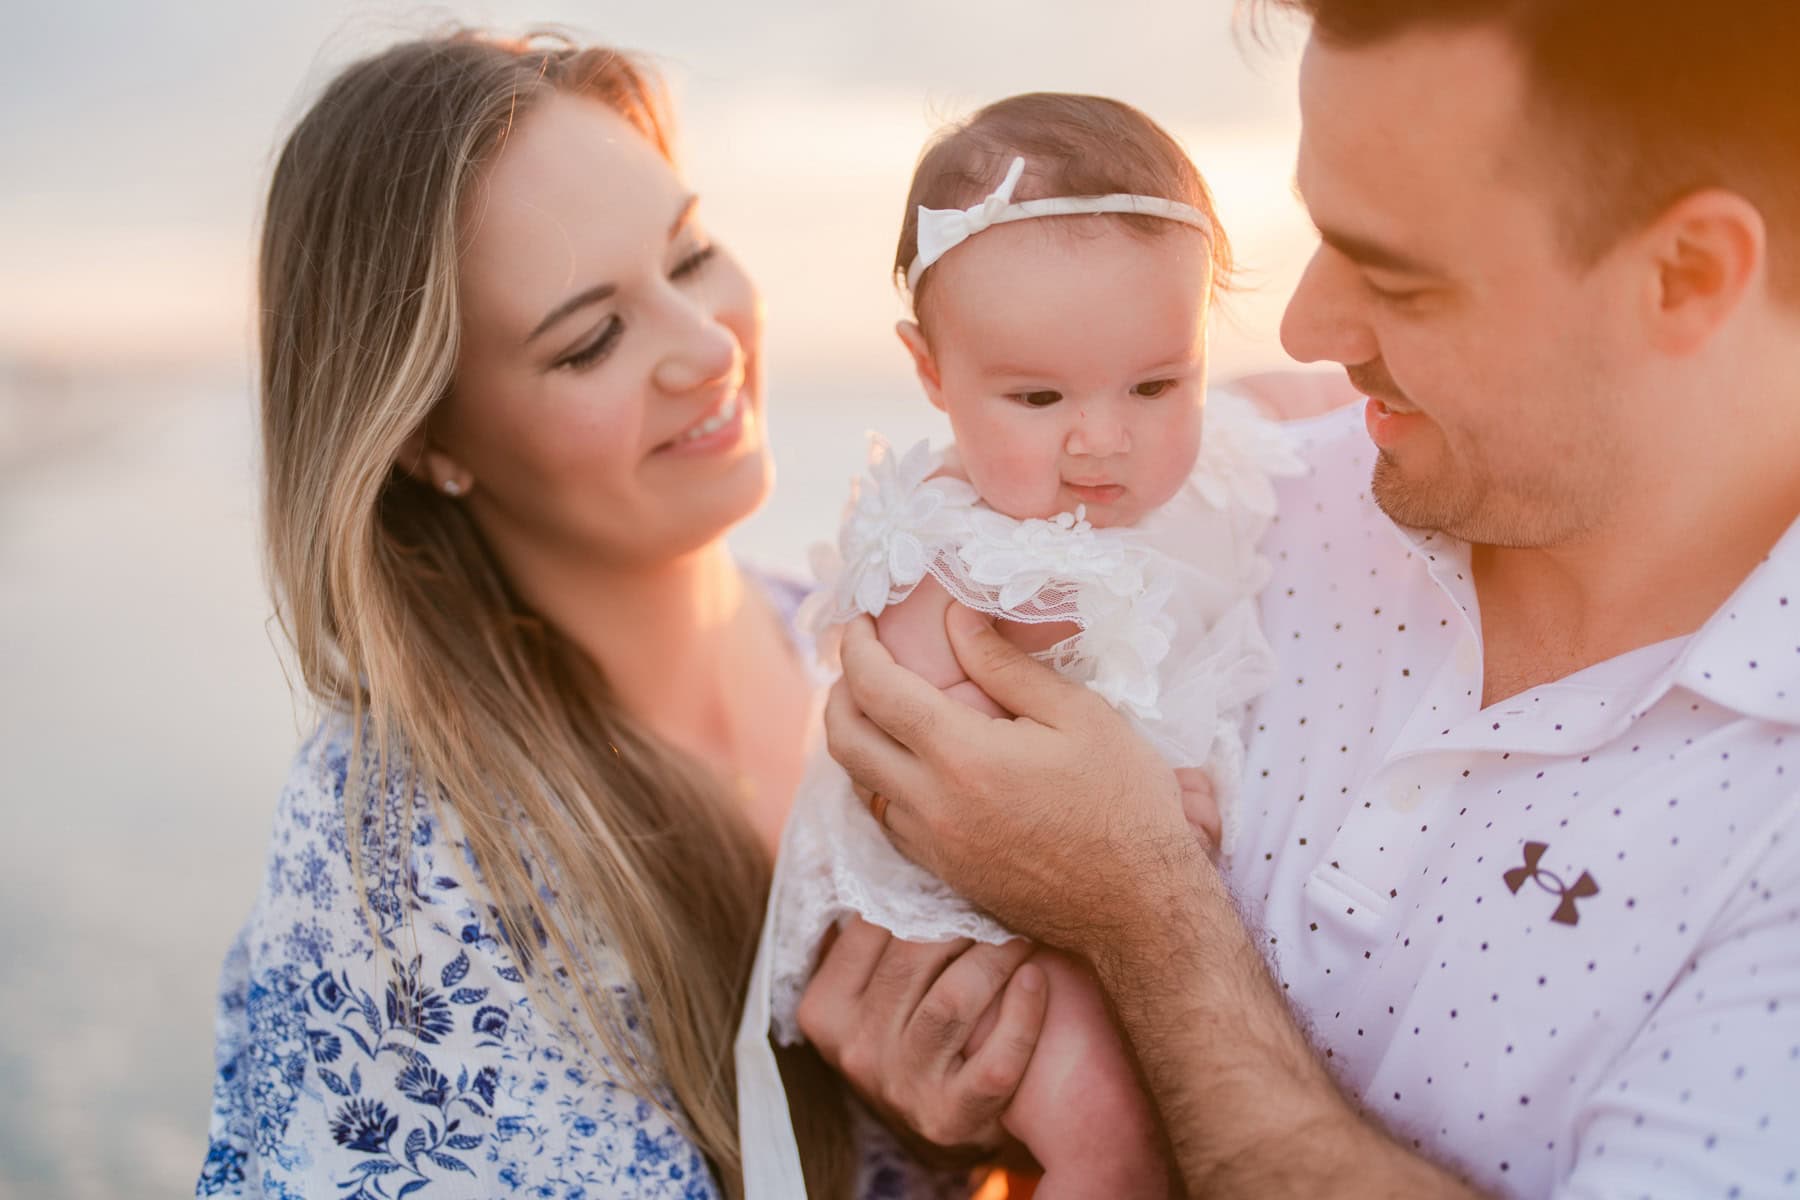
1073	145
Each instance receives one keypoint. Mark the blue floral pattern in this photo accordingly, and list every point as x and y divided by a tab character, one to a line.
407	1058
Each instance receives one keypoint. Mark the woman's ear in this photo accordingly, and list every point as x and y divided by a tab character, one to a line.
913	338
434	468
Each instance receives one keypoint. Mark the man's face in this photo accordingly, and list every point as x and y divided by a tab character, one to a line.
1498	366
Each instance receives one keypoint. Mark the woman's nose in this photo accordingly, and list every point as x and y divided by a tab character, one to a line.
1326	319
701	351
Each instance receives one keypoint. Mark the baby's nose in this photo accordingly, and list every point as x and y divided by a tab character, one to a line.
1098	432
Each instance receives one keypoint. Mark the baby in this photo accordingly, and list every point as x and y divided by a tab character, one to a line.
1061	254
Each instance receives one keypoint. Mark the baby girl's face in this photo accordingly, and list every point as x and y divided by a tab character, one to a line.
1070	356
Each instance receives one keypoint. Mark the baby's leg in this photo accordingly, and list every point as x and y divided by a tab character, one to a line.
1080	1109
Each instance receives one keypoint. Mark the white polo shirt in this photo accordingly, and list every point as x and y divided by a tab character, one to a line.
1554	943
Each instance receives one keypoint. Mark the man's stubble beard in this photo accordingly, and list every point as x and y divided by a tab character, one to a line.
1468	507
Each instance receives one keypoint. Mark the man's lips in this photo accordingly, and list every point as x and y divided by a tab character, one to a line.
1398	408
1388	426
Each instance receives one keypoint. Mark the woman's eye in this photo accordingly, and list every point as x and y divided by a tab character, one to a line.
1043	399
596	349
693	262
1153	388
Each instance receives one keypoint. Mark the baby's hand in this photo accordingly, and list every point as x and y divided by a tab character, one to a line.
1198	803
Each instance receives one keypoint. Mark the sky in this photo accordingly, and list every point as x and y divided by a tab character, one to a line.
138	140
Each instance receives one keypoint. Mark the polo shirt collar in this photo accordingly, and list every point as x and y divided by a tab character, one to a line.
1745	658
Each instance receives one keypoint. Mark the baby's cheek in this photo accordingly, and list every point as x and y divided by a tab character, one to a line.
1012	455
1173	456
1019	483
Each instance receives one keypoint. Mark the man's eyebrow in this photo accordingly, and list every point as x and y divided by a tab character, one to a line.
602	291
1366	252
684	216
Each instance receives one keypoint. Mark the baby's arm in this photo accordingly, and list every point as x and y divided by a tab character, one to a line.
913	632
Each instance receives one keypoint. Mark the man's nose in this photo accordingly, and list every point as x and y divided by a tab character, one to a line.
1326	320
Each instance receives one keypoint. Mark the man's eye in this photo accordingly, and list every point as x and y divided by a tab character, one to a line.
1043	399
1392	295
693	262
1153	388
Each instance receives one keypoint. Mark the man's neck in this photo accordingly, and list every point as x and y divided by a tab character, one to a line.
1660	573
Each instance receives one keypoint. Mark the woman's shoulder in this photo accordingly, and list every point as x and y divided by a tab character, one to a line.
375	1027
355	835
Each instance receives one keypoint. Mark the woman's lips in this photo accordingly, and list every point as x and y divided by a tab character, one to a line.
720	429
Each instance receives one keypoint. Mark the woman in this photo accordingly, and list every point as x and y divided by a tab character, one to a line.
512	401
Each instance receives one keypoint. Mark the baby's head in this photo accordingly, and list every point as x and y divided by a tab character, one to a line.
1068	351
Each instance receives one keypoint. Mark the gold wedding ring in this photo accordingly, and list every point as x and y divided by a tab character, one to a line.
878	808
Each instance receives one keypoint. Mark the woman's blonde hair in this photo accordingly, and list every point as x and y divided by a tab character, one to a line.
400	615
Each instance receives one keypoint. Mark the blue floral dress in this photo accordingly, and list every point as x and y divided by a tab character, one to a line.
415	1062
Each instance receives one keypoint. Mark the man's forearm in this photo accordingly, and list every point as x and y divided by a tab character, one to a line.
1249	1108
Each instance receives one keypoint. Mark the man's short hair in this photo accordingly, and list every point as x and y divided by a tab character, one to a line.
1647	101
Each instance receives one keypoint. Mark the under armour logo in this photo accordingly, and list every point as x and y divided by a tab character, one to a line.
1549	881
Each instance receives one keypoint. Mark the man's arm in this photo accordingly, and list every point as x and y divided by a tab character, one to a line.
1248	1106
1069	828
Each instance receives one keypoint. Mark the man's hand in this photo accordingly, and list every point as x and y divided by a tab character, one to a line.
1062	822
1068	827
934	1037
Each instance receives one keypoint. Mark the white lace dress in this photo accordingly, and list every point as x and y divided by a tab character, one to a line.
1167	633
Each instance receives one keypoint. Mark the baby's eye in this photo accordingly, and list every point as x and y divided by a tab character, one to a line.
1043	399
1153	388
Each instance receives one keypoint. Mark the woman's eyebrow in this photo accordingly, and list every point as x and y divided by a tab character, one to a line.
579	300
602	291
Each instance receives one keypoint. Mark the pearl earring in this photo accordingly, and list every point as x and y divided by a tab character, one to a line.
453	487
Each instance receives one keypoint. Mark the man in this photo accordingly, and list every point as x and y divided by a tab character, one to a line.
1520	862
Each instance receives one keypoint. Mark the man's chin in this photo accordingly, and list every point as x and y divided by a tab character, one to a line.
1413	502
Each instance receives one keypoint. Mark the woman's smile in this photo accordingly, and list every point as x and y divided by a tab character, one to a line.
720	427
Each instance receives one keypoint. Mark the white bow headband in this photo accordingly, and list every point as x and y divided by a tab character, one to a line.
941	230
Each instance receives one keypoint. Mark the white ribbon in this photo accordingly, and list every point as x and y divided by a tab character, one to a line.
941	230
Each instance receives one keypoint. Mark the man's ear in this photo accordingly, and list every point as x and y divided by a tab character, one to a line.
1709	251
913	338
433	467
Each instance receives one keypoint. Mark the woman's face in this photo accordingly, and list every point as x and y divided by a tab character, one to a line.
607	404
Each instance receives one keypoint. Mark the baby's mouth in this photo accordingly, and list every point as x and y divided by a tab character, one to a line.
1097	493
